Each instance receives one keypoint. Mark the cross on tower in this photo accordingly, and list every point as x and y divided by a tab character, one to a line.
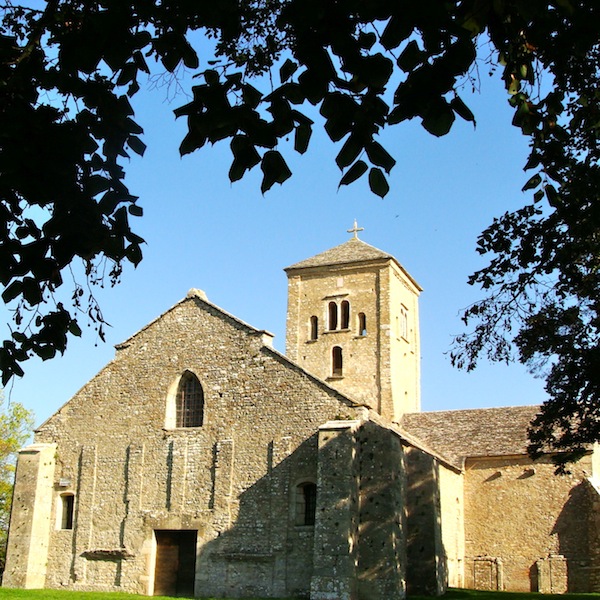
355	229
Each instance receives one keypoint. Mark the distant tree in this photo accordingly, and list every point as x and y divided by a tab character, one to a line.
69	69
16	423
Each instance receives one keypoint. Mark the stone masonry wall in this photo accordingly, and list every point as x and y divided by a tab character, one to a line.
426	558
359	551
233	480
517	513
309	294
451	483
27	558
381	366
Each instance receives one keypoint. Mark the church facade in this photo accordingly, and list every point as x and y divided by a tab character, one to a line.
201	461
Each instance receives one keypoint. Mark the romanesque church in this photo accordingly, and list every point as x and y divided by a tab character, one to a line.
202	462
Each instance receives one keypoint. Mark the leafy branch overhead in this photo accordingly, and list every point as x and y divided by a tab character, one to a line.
70	72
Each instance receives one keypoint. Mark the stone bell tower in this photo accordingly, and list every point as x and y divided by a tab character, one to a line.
353	321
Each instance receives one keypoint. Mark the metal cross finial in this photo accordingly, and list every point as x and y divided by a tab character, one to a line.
355	229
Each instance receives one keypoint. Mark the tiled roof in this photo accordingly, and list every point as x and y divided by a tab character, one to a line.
458	434
354	250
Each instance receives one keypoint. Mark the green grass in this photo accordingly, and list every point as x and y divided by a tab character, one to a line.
10	594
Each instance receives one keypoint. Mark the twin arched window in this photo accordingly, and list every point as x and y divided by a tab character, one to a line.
189	402
343	311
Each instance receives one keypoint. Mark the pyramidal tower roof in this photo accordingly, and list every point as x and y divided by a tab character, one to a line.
354	250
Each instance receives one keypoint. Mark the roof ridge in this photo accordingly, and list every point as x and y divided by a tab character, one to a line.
352	250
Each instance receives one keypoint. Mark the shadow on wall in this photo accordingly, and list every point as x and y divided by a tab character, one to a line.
427	568
262	546
266	545
574	539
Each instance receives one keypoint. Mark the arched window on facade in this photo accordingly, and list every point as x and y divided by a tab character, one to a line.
333	316
189	402
362	324
345	314
336	362
306	503
66	511
314	327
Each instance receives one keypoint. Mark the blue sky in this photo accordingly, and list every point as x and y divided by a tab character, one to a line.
232	242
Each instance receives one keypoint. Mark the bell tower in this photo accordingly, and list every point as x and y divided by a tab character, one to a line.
353	321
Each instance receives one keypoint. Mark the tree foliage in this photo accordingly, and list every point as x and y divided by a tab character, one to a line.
16	423
70	71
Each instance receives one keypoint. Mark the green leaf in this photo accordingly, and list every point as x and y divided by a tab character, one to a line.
134	254
275	170
288	68
135	210
378	182
75	329
552	195
251	96
532	183
395	32
192	141
302	137
462	110
439	118
211	77
31	291
379	156
411	57
136	145
349	152
357	170
12	291
366	40
245	157
97	184
45	352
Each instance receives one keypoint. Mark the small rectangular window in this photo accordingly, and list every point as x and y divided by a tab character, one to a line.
67	509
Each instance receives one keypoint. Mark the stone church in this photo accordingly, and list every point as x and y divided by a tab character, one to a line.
201	461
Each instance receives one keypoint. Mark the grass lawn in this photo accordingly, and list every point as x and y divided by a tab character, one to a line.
10	594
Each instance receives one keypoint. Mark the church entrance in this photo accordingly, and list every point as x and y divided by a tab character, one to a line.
175	568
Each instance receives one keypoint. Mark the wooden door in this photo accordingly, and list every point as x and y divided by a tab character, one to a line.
175	569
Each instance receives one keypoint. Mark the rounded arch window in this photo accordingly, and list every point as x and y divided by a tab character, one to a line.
362	324
333	316
345	320
189	402
337	366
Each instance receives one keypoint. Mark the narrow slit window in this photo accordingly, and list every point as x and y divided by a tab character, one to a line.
362	324
404	323
67	507
306	503
314	327
333	316
337	362
345	314
190	402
